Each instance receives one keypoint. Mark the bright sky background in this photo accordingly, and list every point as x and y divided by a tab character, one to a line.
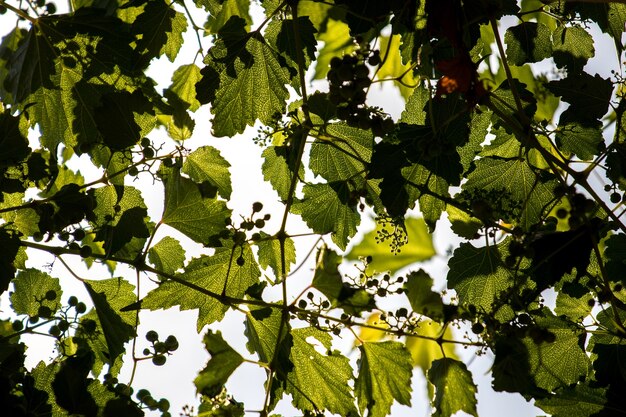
174	380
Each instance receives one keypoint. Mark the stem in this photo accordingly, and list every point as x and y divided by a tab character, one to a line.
19	12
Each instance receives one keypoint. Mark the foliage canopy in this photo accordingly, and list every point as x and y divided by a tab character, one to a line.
533	190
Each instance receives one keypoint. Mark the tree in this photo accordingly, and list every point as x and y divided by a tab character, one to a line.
534	192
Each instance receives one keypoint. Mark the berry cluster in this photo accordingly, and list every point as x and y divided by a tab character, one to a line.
349	80
159	348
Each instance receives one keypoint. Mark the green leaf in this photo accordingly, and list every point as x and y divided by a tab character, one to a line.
424	349
71	383
224	360
206	164
478	275
319	381
414	112
455	389
337	42
528	42
588	95
8	48
30	288
114	327
116	331
342	154
217	273
9	247
188	212
183	87
222	10
263	330
418	289
579	401
418	248
13	140
582	139
385	371
270	254
572	47
515	181
243	80
545	360
393	67
160	30
167	255
462	223
327	279
327	208
278	169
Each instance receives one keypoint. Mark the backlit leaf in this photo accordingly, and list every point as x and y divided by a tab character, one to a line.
454	387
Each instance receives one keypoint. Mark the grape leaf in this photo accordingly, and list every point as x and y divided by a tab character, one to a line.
342	154
278	169
319	381
9	247
326	208
582	139
455	389
418	289
588	95
393	68
217	273
385	371
270	254
13	140
183	86
244	80
578	401
167	255
478	275
337	42
114	327
222	10
263	326
572	47
30	288
528	42
418	248
424	349
224	360
206	164
160	30
188	212
116	331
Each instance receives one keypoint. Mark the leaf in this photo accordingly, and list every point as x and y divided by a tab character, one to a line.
188	212
418	289
588	95
270	254
114	327
582	139
206	164
70	385
342	154
337	42
278	169
572	47
263	328
393	67
224	360
167	255
528	42
326	208
319	381
385	371
462	223
242	86
30	288
160	29
13	141
183	87
8	47
545	360
516	181
217	273
579	401
116	331
327	279
424	350
369	334
9	247
220	11
418	248
478	275
414	112
455	389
